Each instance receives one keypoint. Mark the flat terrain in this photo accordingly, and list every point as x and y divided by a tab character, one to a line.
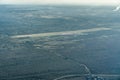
46	42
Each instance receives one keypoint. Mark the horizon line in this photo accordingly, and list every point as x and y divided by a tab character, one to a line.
65	4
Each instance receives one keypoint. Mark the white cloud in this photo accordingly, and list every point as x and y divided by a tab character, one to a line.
92	2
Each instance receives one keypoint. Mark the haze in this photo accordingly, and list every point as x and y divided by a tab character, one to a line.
76	2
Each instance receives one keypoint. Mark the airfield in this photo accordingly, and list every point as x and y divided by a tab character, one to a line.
50	42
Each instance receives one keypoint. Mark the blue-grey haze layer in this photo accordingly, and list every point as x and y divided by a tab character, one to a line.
46	58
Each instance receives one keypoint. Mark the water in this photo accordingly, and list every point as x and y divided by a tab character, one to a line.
49	57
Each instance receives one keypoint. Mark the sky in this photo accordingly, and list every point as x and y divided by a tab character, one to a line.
76	2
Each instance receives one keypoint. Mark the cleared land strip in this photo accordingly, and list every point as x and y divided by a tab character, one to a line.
76	32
